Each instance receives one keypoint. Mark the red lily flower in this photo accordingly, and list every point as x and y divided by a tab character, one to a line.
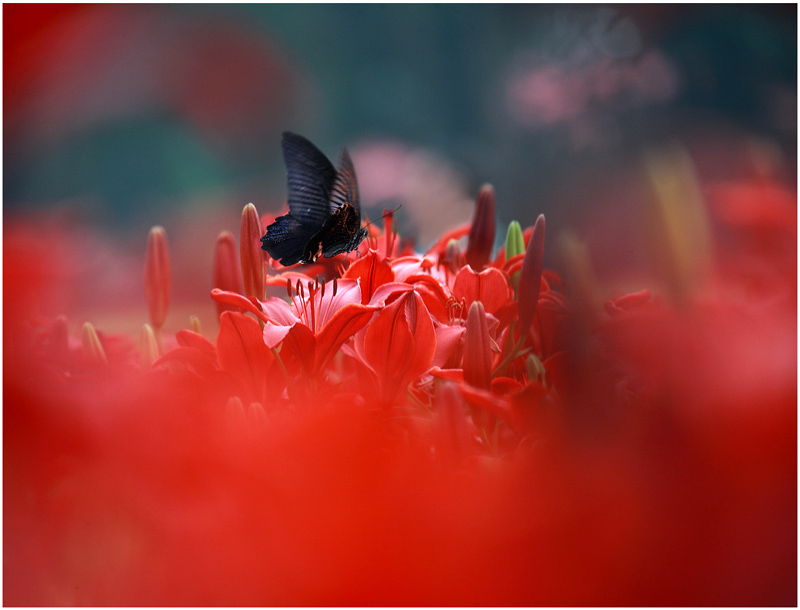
314	327
400	342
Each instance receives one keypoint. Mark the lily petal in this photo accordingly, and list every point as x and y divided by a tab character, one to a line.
448	339
490	287
187	338
385	293
240	301
433	294
421	326
372	272
299	345
342	325
411	265
241	351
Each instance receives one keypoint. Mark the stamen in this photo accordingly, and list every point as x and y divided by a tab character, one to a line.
324	315
311	299
289	287
303	302
334	286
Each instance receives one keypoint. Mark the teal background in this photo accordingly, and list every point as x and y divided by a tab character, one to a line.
428	76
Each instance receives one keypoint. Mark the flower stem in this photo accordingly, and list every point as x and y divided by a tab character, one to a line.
515	351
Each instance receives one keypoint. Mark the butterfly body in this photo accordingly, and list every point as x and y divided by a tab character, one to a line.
324	216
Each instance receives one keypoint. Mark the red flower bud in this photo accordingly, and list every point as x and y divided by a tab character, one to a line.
481	234
477	349
92	347
157	277
227	274
148	347
252	257
478	364
530	280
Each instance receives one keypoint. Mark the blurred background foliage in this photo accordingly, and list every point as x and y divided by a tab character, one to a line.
126	116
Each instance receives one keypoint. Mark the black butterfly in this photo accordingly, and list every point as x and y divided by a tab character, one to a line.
324	213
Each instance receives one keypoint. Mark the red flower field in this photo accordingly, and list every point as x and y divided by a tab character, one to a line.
459	427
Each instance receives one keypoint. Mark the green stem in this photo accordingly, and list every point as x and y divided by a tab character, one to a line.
511	355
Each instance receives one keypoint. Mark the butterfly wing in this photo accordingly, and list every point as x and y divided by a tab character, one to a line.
286	239
311	178
345	186
342	232
324	209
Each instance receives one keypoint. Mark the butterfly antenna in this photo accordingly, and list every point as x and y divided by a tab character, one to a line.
394	237
389	213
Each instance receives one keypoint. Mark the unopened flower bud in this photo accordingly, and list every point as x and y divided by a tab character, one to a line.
148	347
530	279
477	349
92	347
234	411
227	272
481	234
684	238
256	416
452	255
157	277
536	370
585	289
254	267
515	245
